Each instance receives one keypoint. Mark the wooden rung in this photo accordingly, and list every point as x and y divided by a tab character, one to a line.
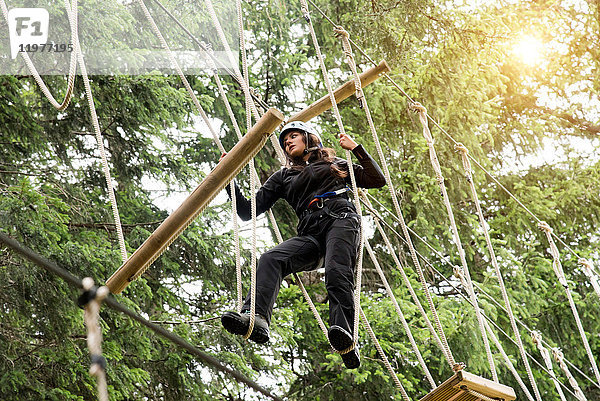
195	203
455	389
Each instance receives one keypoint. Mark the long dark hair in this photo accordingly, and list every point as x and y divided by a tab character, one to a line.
318	154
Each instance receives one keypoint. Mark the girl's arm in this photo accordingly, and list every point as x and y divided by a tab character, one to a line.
266	196
368	174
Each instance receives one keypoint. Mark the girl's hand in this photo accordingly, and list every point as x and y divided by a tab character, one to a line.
346	142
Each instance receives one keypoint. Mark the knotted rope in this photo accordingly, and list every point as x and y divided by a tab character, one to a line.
440	179
484	226
91	299
560	274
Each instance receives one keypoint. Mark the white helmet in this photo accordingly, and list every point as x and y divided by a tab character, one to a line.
302	127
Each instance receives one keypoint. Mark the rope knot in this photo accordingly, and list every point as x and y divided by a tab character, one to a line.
536	336
557	354
459	147
417	107
341	32
542	225
457	367
91	292
585	263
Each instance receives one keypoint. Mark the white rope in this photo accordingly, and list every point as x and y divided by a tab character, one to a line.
405	325
560	359
560	274
537	340
94	337
440	179
484	226
342	130
406	280
507	361
72	16
384	358
184	80
442	258
589	272
364	104
240	79
249	104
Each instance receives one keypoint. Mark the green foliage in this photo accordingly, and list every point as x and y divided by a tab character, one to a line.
455	60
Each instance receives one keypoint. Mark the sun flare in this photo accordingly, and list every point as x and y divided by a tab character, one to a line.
529	50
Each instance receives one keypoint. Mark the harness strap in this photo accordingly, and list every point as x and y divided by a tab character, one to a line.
319	199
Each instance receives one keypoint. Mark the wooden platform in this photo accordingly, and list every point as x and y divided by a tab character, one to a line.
454	389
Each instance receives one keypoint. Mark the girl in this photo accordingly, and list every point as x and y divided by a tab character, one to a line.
315	183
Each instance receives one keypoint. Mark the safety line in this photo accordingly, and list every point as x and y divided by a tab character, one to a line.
115	305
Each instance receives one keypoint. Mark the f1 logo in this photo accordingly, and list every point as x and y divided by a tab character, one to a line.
27	26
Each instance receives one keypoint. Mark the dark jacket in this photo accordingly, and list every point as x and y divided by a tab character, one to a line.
299	187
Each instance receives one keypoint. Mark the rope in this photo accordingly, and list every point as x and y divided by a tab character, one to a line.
491	298
508	362
560	359
76	282
454	141
384	358
241	80
537	340
480	396
100	144
405	279
342	130
77	54
93	299
204	47
401	315
560	274
589	272
440	179
72	16
481	290
184	80
484	226
238	256
250	107
345	37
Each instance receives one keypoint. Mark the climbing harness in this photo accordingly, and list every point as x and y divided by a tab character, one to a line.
319	200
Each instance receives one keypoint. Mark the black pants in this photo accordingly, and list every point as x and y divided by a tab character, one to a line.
322	236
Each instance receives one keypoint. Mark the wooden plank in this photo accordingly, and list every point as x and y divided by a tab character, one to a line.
486	387
195	203
341	93
455	389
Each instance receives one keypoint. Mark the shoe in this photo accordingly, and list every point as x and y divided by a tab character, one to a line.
341	340
238	323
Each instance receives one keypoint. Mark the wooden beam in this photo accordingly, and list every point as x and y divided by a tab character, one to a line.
341	93
456	389
196	202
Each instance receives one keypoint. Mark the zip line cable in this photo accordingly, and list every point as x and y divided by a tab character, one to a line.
74	281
